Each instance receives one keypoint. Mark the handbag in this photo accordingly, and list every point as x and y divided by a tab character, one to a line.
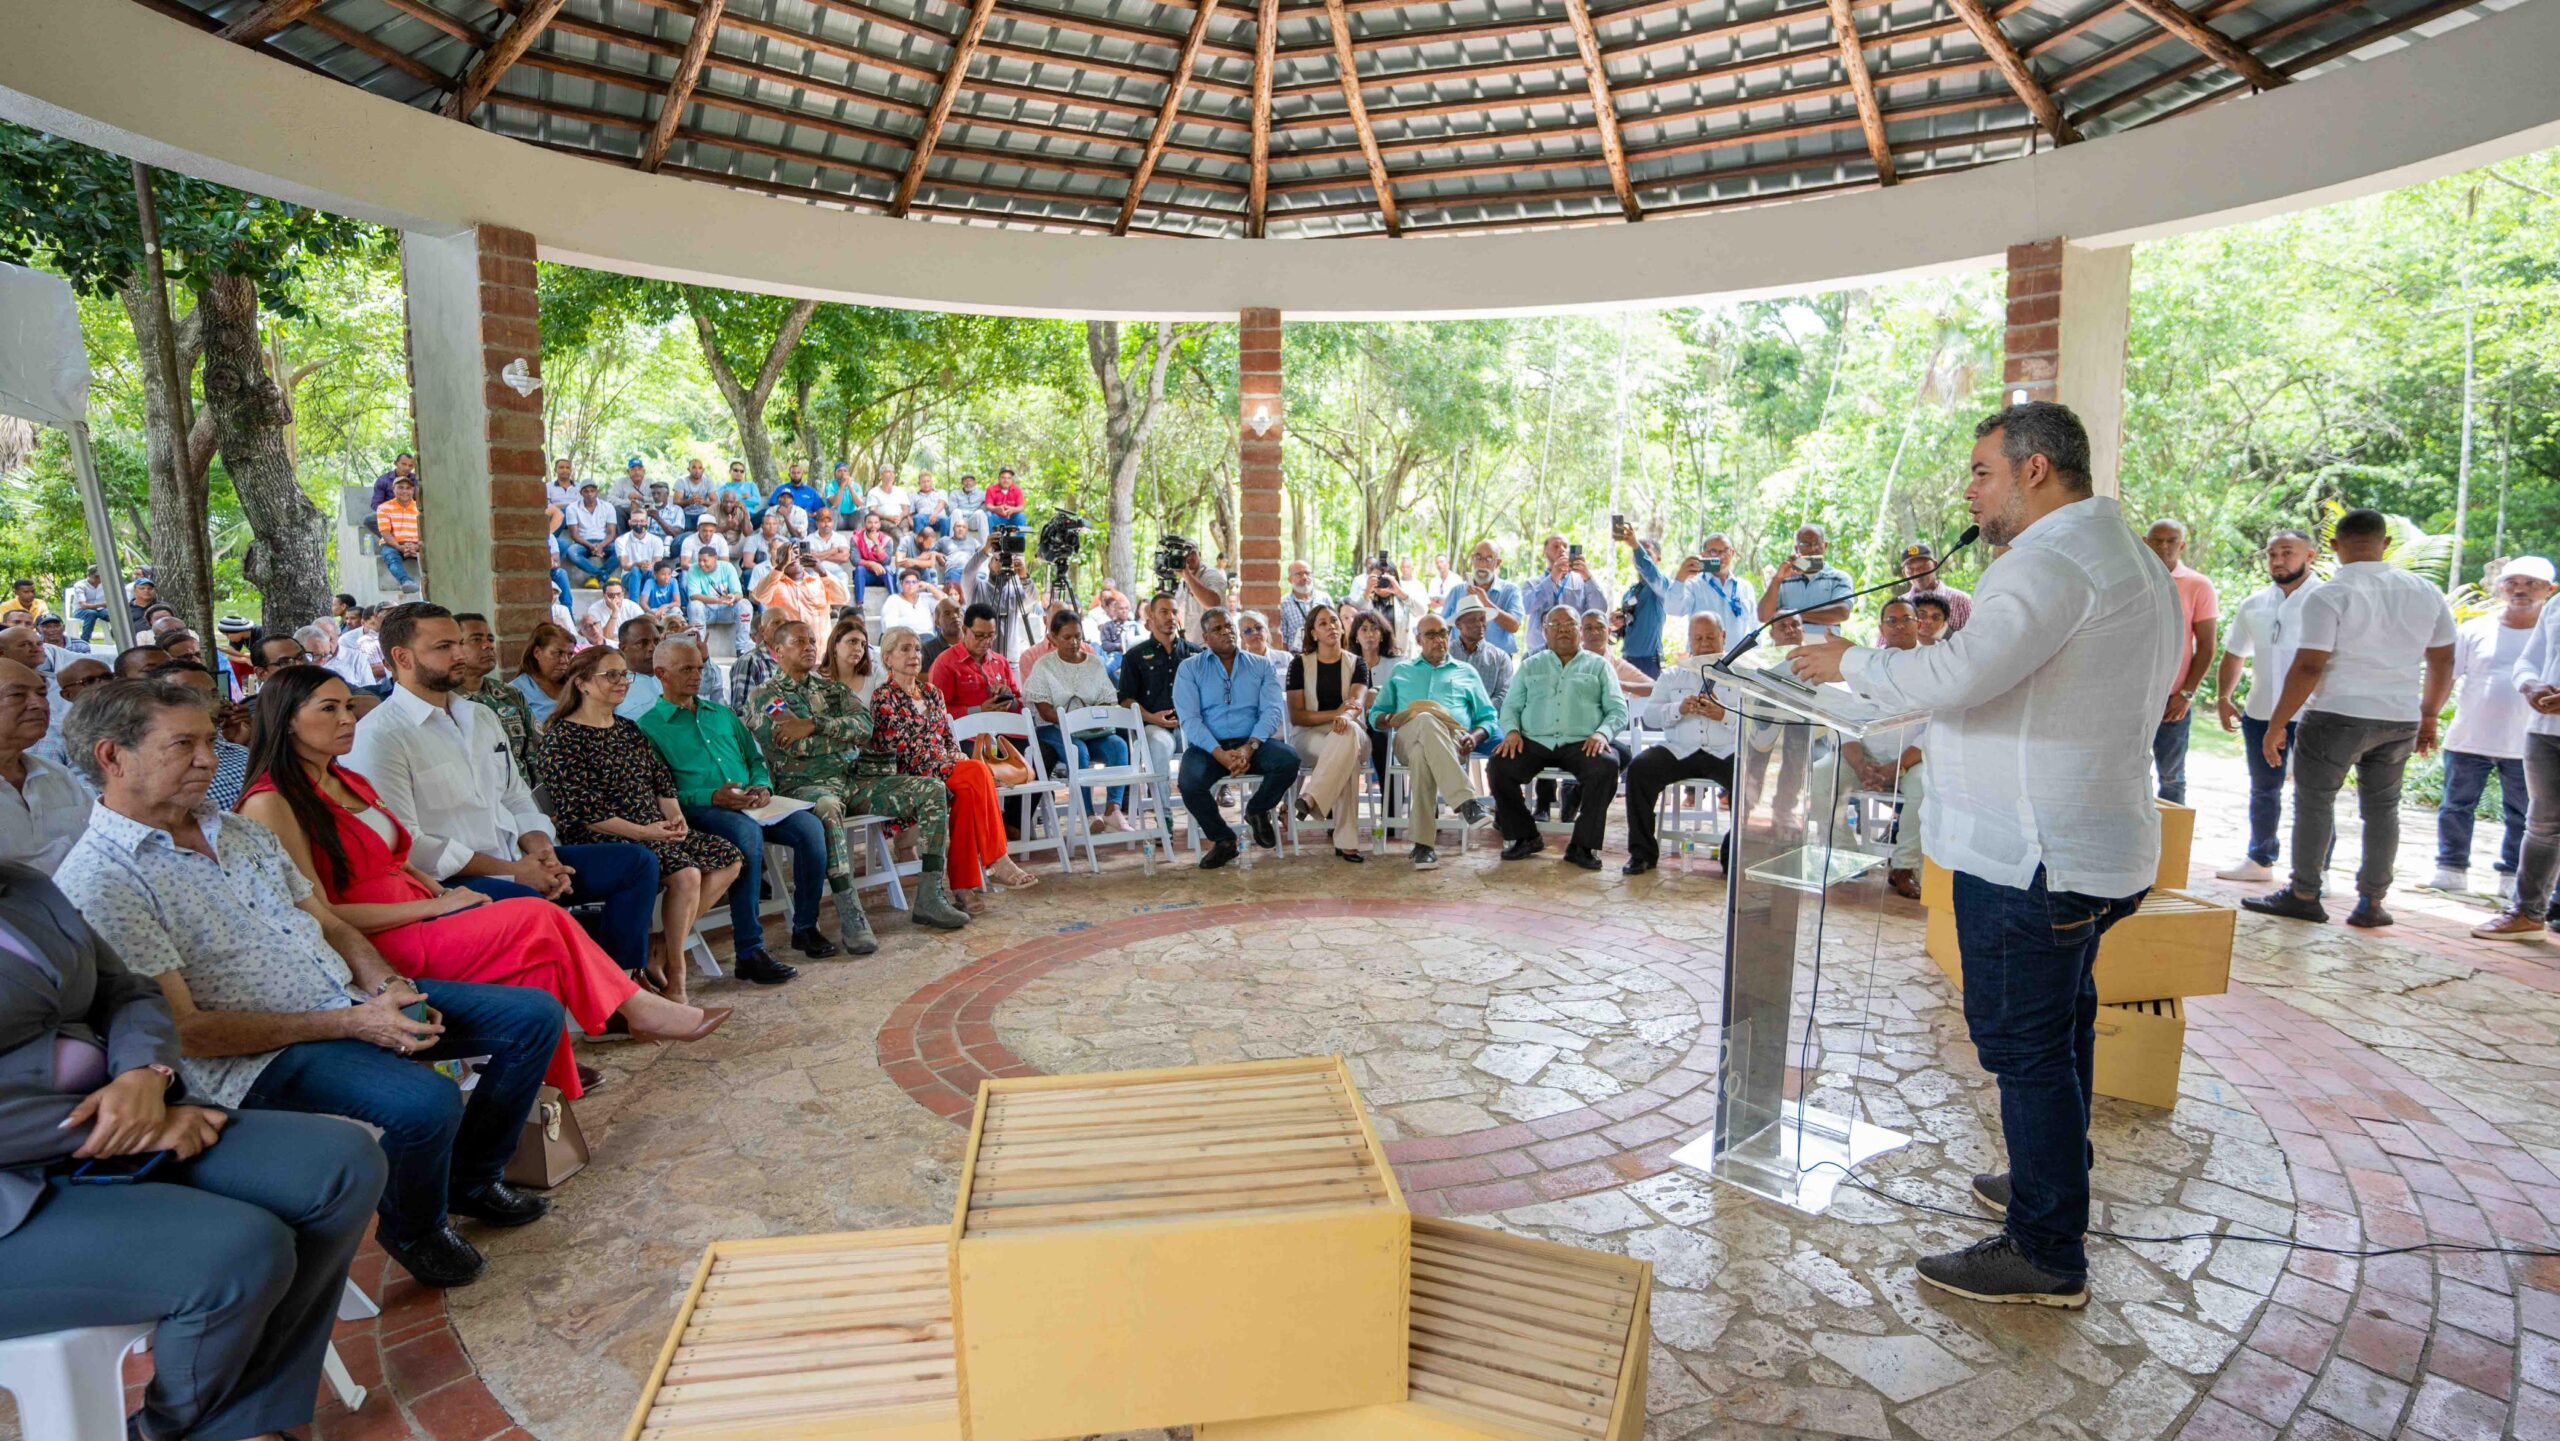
1005	759
552	1148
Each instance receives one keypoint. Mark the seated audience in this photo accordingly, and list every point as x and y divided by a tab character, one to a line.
608	613
43	805
928	555
721	781
946	629
1435	708
850	661
236	1246
930	508
1697	739
281	1005
704	534
73	681
695	494
230	757
756	554
1471	641
712	595
1071	678
89	604
829	549
889	500
799	591
875	554
818	743
1374	641
974	676
333	826
669	518
1920	563
638	643
539	667
755	664
1328	702
1635	682
1004	503
445	772
604	785
476	678
587	531
1253	635
739	493
1563	712
911	722
396	522
912	607
1933	614
1146	680
662	594
1229	707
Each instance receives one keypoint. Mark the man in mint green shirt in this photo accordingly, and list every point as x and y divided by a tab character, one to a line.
1436	708
720	778
1563	712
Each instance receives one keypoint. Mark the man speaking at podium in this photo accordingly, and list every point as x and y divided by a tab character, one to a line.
2040	805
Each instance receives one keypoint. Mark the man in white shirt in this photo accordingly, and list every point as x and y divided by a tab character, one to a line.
1697	739
561	491
706	536
607	614
43	806
2258	638
444	769
2355	682
2489	716
2040	803
889	501
639	548
2537	679
590	526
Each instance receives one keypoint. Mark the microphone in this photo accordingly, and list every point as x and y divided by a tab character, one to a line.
1743	646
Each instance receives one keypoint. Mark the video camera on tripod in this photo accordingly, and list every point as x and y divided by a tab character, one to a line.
1174	555
1061	541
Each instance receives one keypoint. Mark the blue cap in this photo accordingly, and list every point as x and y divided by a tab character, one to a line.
629	464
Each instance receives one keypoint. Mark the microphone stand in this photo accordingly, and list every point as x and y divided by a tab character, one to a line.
1743	646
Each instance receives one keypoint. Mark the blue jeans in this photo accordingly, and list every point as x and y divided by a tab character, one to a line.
1007	522
939	525
2466	776
90	619
1274	762
864	582
806	839
2169	756
2266	786
1108	749
394	562
703	613
560	584
620	877
2031	1001
596	570
438	1145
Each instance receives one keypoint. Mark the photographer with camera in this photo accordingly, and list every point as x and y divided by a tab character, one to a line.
1568	582
1381	589
1706	585
997	579
1499	599
1809	579
795	589
1196	586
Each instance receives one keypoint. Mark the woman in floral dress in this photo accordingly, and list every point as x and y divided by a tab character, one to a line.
910	721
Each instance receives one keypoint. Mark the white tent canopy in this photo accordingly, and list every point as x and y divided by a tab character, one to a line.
44	377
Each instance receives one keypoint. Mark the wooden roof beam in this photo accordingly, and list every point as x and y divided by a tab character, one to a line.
1339	26
500	57
2220	48
1604	108
1179	81
697	48
2013	68
1853	59
1266	26
962	45
266	20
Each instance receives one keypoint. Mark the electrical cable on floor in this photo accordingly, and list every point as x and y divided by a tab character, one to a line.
2288	1242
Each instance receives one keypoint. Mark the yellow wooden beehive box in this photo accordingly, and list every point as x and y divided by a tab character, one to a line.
2176	944
2141	1047
1167	1248
1512	1338
2177	849
803	1337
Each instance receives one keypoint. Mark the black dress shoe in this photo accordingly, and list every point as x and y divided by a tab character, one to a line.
1265	834
499	1204
814	944
2368	915
2283	902
1636	868
1218	855
1577	856
440	1258
590	1080
1522	849
761	968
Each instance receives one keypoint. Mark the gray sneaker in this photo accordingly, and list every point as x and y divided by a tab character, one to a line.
1991	1193
1995	1271
933	905
1425	858
853	928
1475	812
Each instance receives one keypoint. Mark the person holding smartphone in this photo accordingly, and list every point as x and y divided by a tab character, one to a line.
798	590
122	1200
1568	582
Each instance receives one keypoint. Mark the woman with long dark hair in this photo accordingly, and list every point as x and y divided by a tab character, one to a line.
607	783
849	660
1328	694
1373	640
539	666
357	854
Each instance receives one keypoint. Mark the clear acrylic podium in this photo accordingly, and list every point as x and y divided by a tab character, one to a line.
1789	850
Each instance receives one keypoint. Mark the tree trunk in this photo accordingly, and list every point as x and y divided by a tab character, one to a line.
806	424
1127	419
1222	511
746	400
288	557
181	549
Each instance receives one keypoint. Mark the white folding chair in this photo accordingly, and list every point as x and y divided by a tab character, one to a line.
1683	826
1042	790
1148	806
1169	775
70	1384
1395	810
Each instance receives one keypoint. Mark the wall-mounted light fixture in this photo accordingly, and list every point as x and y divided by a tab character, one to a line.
1261	421
520	377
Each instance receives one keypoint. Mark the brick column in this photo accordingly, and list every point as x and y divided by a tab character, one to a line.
473	309
2070	308
1258	518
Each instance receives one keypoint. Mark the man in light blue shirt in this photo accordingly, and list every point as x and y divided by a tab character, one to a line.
1229	704
1809	579
742	489
1706	585
1500	598
1566	582
712	595
1561	713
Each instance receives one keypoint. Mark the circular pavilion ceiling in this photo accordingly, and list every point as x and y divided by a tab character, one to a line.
1311	118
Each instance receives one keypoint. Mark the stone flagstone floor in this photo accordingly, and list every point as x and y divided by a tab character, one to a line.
1534	1043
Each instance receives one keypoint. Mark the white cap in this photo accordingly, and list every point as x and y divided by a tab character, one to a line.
2532	567
1469	605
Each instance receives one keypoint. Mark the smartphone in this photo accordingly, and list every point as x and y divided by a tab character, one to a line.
1617	523
1572	553
418	1012
118	1170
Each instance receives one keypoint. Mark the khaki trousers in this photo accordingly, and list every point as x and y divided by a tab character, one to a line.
1428	746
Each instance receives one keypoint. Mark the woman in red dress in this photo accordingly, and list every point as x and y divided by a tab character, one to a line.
910	721
357	854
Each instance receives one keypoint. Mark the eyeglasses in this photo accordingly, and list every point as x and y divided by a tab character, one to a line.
613	677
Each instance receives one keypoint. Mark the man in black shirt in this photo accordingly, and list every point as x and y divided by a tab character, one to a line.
1146	678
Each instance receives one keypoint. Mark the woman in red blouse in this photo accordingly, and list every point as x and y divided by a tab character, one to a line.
357	854
910	721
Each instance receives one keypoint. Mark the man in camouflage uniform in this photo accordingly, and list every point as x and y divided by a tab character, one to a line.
481	683
814	732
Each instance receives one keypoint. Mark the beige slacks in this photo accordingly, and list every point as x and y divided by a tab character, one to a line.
1335	761
1428	746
